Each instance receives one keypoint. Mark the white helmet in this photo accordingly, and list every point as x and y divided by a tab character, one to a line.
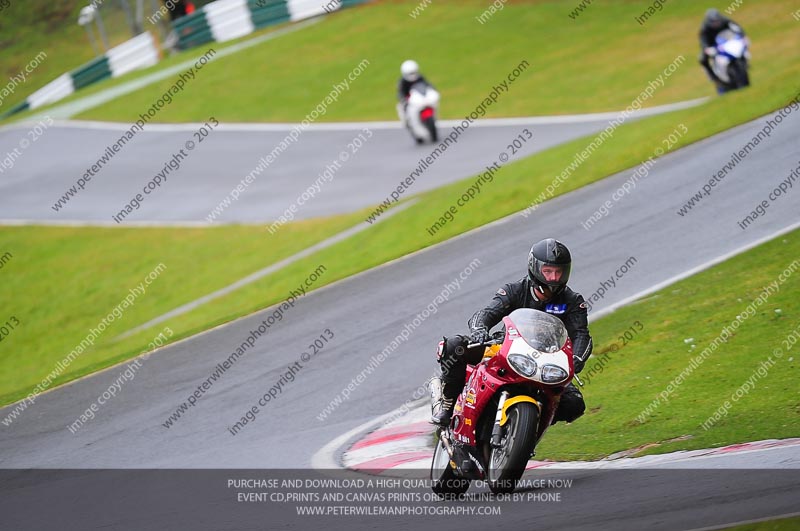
410	70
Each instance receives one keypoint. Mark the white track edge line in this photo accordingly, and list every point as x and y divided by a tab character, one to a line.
694	270
323	459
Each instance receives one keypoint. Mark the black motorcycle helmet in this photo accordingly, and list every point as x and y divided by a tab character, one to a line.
549	252
714	18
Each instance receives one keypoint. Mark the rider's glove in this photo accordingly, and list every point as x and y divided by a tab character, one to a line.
711	51
578	364
479	335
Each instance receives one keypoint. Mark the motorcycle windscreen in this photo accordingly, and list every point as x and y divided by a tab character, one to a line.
725	35
734	48
542	331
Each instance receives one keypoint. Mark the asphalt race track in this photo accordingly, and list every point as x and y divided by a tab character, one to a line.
366	312
46	169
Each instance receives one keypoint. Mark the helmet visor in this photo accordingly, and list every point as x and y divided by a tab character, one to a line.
552	275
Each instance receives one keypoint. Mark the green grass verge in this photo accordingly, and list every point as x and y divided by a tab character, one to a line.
622	383
599	62
60	282
784	524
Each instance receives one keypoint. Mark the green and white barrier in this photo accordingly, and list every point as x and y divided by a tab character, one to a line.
138	52
229	19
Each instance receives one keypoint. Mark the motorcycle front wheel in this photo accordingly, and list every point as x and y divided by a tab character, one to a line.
737	71
430	125
507	463
443	476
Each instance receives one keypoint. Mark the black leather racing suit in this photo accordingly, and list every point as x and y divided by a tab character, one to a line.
567	306
404	87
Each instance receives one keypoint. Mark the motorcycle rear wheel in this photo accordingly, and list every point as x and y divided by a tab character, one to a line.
507	463
445	481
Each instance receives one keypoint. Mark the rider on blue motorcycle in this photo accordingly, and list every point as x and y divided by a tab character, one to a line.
713	24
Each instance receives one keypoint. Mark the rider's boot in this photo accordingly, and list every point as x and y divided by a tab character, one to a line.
443	396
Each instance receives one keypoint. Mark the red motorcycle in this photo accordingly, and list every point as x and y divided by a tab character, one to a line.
506	406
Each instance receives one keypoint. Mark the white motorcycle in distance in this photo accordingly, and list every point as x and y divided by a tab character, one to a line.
731	61
419	113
